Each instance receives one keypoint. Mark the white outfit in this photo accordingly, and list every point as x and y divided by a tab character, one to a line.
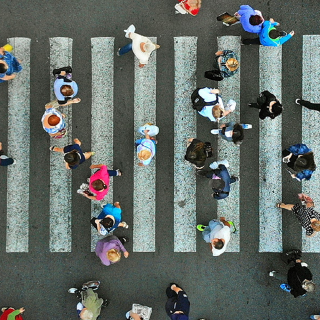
224	234
153	130
143	57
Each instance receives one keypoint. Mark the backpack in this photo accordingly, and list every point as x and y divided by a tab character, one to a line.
198	102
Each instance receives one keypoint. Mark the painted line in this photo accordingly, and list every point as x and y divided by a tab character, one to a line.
185	127
230	89
60	178
19	149
102	51
144	193
270	152
310	130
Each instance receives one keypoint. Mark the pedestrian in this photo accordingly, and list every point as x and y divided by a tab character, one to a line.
299	278
141	46
306	215
197	152
98	186
139	312
109	219
188	6
90	306
250	19
5	160
11	314
308	104
146	147
65	89
300	160
73	155
177	305
53	120
270	36
268	104
217	233
314	316
109	249
9	64
232	132
220	179
226	64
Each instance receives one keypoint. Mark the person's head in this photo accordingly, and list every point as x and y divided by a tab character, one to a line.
217	184
53	120
3	66
255	20
277	108
107	222
232	64
305	161
144	154
315	225
237	135
274	34
72	158
99	185
217	243
113	255
149	47
308	285
197	153
66	90
86	314
217	111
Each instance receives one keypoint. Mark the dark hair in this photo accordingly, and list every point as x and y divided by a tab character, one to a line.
196	154
66	90
274	34
277	108
72	158
237	135
3	68
107	222
255	20
219	244
305	161
53	120
217	184
98	185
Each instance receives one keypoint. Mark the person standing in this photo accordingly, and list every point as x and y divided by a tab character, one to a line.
250	19
9	65
141	46
178	305
217	233
5	160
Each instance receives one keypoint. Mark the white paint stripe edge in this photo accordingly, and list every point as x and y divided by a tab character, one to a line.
185	127
19	149
270	155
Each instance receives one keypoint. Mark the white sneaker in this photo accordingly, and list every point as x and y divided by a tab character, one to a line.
215	131
14	161
80	191
271	273
231	105
125	225
304	264
131	28
72	290
246	126
224	162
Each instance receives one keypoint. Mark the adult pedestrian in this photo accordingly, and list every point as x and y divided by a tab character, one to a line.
232	132
65	88
109	249
177	305
53	120
141	46
109	219
139	312
146	147
226	64
11	314
270	36
299	278
197	152
268	104
308	104
300	160
188	6
217	233
5	160
9	65
250	19
73	155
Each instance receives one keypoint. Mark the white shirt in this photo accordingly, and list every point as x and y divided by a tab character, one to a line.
143	57
220	233
206	111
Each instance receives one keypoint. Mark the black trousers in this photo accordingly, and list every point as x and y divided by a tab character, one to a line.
310	105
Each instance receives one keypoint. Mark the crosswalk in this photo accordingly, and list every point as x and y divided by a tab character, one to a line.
185	126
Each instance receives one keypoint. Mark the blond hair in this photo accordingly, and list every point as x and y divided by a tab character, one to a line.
113	255
144	154
217	111
232	64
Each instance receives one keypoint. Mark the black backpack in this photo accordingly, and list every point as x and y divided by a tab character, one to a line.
198	102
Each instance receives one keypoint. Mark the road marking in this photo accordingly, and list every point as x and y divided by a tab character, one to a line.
102	115
19	149
60	178
144	193
230	89
185	127
310	130
270	153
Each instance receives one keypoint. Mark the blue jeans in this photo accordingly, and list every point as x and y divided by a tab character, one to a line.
112	173
125	49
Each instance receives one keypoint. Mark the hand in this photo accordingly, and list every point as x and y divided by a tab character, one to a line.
222	219
117	204
271	20
286	159
77	141
93	166
146	131
76	100
222	126
237	15
291	32
219	53
22	310
293	175
141	65
216	91
140	164
126	254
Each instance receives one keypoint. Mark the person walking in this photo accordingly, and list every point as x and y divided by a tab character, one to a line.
5	160
178	305
11	314
109	249
268	104
9	64
197	152
250	19
308	104
188	6
141	46
217	233
73	155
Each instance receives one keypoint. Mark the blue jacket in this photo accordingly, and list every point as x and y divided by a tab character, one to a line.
229	127
222	173
265	40
246	12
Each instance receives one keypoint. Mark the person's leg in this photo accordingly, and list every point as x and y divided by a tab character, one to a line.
308	104
114	173
6	161
125	49
251	41
281	277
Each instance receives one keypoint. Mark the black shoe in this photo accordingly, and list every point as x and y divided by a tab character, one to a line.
105	303
124	239
56	72
235	178
295	252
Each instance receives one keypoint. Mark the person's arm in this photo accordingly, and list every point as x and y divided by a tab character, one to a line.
287	37
299	148
77	141
123	249
76	100
134	316
96	166
97	221
226	223
146	133
219	53
13	314
6	77
89	197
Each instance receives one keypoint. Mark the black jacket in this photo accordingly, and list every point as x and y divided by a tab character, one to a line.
295	277
264	101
